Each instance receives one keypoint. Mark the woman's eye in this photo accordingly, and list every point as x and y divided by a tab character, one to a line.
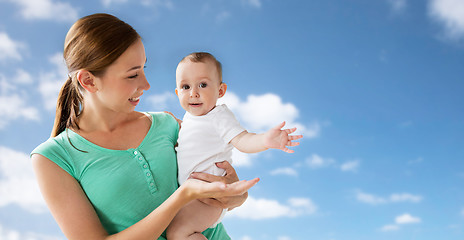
203	85
185	87
134	76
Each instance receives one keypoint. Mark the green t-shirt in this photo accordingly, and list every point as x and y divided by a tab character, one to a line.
123	186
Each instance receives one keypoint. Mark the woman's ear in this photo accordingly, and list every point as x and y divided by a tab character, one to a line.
222	90
87	80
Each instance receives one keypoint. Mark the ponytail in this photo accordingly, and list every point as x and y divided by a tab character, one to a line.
68	107
93	43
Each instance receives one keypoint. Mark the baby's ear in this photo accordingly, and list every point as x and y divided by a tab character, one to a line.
177	93
222	90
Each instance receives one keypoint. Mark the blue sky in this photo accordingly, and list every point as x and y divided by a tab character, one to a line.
376	87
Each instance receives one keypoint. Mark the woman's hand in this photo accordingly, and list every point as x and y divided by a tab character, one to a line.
239	188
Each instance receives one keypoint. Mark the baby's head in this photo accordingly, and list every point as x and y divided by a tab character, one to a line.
199	83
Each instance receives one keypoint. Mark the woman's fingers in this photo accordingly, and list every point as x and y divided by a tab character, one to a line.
240	187
230	171
207	177
230	176
220	189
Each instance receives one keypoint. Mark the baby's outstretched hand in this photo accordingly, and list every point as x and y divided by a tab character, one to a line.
280	139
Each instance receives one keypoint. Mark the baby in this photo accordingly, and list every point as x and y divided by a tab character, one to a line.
207	136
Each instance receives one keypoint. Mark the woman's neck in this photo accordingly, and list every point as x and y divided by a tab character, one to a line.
92	119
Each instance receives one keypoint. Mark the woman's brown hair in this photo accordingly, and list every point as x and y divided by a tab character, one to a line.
93	43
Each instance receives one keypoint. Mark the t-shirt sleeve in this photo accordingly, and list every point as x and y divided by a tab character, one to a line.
169	124
52	150
227	125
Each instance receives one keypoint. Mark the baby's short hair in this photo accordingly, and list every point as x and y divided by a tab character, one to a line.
204	57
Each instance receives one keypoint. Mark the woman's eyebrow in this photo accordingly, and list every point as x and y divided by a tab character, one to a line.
137	67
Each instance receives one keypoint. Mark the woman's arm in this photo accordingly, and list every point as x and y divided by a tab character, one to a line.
78	220
67	201
230	177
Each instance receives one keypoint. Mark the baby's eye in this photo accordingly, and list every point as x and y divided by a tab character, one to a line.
185	87
203	85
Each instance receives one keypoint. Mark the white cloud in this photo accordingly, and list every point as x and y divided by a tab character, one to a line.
242	159
252	3
257	209
405	197
284	171
369	198
406	124
22	77
261	112
17	184
8	234
169	4
407	219
52	80
351	166
400	220
222	16
9	48
163	101
107	3
397	5
13	107
393	198
13	100
390	228
157	3
47	10
449	13
316	161
246	238
415	161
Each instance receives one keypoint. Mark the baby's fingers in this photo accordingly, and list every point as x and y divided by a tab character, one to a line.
287	150
294	137
292	144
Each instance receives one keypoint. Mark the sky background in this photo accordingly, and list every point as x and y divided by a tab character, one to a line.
375	86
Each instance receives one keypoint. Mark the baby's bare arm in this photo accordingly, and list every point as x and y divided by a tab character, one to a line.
249	142
274	138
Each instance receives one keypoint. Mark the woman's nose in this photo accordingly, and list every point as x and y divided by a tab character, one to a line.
145	84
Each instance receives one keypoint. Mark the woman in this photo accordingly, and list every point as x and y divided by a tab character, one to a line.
109	172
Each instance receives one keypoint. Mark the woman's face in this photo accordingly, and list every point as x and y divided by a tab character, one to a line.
124	81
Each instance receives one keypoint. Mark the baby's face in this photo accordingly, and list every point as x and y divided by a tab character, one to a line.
198	86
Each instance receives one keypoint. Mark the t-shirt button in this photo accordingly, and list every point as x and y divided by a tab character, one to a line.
135	152
148	174
145	166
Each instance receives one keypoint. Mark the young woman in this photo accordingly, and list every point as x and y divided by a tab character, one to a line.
109	172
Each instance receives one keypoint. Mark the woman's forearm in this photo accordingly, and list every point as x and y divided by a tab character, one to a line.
154	224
